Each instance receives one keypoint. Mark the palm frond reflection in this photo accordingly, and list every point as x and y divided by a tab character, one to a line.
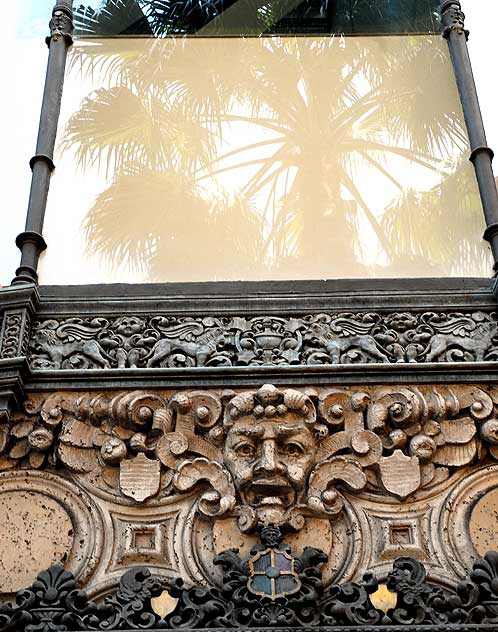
276	157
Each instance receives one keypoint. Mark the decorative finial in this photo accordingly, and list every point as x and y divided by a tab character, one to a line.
453	18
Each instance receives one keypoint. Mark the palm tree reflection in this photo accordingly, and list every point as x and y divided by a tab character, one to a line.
276	157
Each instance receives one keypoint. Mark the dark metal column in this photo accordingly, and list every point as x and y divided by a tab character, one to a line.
481	155
31	242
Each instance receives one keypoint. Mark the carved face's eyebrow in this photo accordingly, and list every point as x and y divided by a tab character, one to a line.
288	429
250	431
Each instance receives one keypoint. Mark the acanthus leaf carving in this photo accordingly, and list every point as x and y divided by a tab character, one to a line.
265	456
321	493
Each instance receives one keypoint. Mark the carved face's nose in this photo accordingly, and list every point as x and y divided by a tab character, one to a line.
269	462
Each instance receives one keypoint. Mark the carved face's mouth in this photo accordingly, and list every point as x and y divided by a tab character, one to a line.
271	492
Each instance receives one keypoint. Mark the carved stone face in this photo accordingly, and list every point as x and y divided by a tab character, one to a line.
128	325
402	321
45	336
270	460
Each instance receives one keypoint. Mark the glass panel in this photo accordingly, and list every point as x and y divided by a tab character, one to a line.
162	18
262	584
197	159
285	584
262	563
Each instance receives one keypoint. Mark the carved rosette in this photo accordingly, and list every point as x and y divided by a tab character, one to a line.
344	338
269	456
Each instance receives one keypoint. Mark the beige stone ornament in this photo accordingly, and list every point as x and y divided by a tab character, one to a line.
139	478
400	474
268	456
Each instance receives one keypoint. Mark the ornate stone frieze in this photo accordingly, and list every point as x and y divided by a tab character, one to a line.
267	456
273	588
14	333
345	338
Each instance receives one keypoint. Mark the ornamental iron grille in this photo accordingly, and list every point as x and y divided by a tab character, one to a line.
54	604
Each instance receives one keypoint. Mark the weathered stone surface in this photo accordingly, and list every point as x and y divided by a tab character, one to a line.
45	517
484	522
267	456
35	532
315	461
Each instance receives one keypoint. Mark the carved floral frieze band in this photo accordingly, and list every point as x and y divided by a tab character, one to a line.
346	338
267	456
272	589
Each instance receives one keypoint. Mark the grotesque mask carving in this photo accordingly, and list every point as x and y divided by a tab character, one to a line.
268	456
270	449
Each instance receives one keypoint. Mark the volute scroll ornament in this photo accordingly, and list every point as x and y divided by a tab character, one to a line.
268	456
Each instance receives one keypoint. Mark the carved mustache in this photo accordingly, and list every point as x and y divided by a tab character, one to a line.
275	483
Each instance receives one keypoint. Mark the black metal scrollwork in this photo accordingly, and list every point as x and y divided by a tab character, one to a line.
54	604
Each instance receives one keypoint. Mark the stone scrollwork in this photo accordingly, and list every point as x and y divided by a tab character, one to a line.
344	338
14	333
268	456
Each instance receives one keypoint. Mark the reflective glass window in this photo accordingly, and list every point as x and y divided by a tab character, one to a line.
261	140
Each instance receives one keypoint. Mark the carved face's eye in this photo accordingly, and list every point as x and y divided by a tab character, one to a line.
245	450
293	449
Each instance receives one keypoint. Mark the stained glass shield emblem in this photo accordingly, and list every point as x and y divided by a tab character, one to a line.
272	574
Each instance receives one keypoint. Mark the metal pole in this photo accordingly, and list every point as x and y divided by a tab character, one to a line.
31	242
480	154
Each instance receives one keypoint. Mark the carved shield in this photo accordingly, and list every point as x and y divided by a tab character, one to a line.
139	478
400	474
272	574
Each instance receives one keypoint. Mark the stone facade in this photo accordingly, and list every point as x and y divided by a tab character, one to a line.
151	443
169	479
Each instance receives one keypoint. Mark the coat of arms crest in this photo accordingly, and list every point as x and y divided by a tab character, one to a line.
272	570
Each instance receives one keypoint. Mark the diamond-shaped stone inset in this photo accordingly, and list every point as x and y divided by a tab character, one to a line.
143	537
401	536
